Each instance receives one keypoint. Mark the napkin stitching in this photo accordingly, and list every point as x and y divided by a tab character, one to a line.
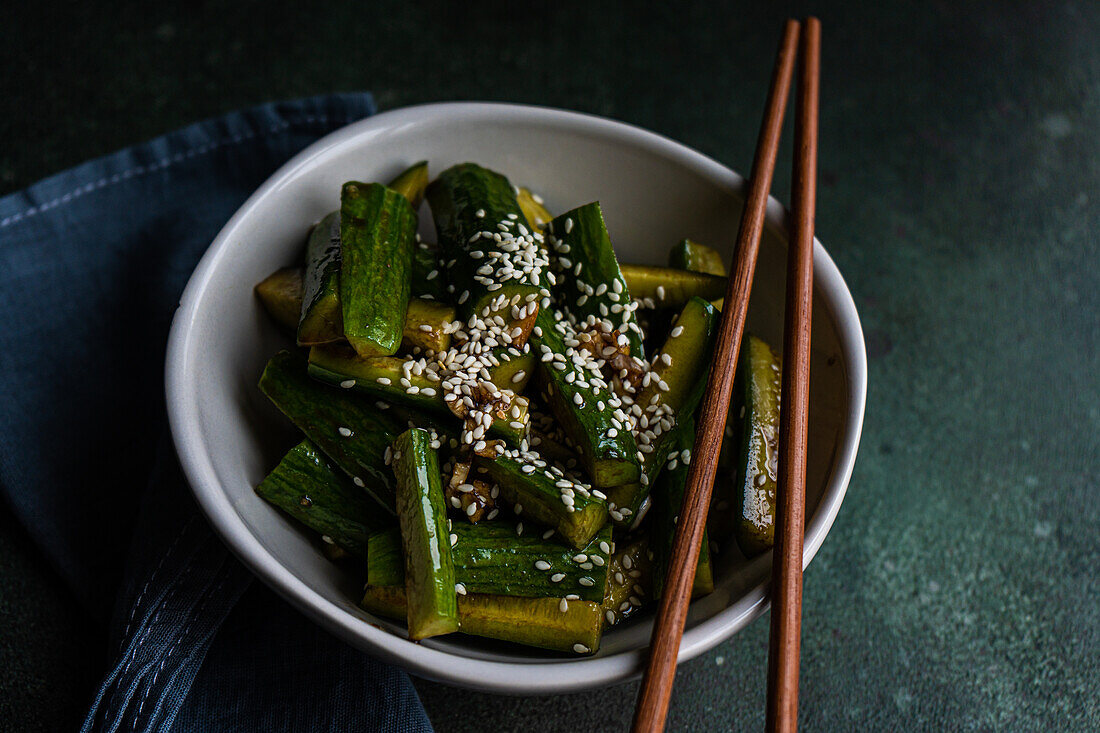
152	577
211	591
164	163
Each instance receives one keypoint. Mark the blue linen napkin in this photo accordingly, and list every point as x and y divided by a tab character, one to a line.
92	263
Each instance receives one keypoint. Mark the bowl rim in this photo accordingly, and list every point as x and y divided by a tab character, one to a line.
507	677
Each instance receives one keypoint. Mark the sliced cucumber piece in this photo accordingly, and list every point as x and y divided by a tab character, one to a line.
422	514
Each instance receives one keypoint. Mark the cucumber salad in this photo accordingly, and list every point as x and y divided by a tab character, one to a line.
497	426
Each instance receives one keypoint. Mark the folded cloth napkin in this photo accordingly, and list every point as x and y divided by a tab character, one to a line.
92	263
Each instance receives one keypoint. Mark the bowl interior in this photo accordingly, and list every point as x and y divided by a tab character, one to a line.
653	193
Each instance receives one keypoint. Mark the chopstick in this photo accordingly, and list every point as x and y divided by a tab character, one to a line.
786	619
653	698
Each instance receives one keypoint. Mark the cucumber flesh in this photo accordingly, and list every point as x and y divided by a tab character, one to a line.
689	255
534	209
427	326
281	295
411	183
538	622
664	287
422	514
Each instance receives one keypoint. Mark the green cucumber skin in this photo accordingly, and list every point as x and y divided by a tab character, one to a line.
686	376
322	320
637	581
377	231
422	514
489	558
338	366
537	622
541	499
320	412
668	498
590	247
678	286
757	387
310	489
455	198
608	461
689	255
426	261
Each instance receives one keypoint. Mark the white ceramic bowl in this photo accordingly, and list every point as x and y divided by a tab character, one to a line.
653	191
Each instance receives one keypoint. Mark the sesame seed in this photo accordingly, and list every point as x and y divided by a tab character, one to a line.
384	381
454	540
347	383
480	213
426	328
675	333
563	605
542	565
586	582
460	589
580	648
357	481
610	616
346	432
557	577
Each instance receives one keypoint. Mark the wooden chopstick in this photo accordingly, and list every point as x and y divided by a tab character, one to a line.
652	706
786	591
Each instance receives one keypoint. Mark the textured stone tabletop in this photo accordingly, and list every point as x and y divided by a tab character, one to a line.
959	192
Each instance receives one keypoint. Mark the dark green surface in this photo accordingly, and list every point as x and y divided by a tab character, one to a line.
958	188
